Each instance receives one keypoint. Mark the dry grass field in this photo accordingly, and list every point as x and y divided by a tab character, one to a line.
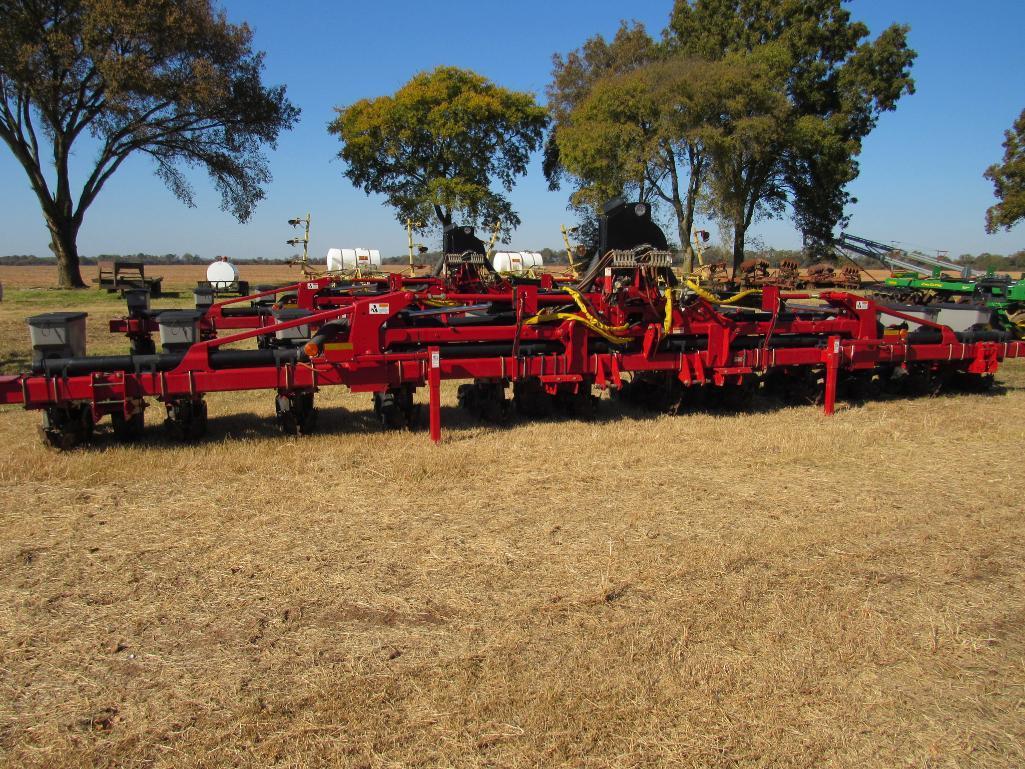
176	277
776	589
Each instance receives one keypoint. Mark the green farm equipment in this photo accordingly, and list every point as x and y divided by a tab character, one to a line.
920	279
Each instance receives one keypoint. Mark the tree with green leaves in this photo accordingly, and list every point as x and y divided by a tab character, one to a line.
640	132
1008	180
169	79
747	105
608	140
627	119
837	84
574	75
438	146
746	139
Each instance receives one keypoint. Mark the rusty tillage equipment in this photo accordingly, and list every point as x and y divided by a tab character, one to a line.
758	273
628	324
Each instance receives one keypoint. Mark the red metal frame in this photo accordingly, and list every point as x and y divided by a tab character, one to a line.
381	348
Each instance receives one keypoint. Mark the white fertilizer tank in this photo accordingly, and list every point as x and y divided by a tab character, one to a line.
353	258
221	274
517	261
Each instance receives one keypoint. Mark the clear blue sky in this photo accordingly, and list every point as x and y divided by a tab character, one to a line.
921	171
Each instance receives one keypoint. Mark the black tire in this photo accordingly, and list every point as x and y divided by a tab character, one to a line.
394	408
860	387
485	401
654	391
65	427
186	419
963	381
296	413
797	386
735	398
530	398
580	404
128	430
918	383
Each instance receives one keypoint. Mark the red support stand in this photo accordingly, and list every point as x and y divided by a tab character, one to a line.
434	388
832	367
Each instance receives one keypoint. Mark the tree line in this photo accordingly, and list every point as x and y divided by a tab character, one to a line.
736	110
551	256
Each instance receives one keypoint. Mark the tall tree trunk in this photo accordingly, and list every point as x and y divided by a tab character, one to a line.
684	209
62	222
697	168
683	230
682	225
685	219
739	233
64	244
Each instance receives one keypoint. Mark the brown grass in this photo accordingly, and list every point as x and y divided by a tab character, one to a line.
774	589
177	277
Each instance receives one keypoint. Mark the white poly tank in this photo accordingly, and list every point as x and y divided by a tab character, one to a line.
536	261
517	261
221	274
368	258
351	258
334	259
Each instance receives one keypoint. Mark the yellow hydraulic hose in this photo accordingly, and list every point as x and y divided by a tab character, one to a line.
668	325
586	317
709	297
440	303
586	310
608	332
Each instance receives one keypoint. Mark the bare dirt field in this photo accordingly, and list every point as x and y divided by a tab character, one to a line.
774	589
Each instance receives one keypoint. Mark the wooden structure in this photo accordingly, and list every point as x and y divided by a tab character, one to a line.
121	275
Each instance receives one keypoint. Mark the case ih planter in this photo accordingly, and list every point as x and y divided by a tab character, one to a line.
629	325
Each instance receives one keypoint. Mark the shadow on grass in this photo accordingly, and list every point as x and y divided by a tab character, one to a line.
333	420
458	424
606	411
998	390
247	425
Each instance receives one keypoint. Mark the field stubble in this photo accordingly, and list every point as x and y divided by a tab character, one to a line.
772	589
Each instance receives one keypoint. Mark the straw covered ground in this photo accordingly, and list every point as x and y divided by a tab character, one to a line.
776	589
